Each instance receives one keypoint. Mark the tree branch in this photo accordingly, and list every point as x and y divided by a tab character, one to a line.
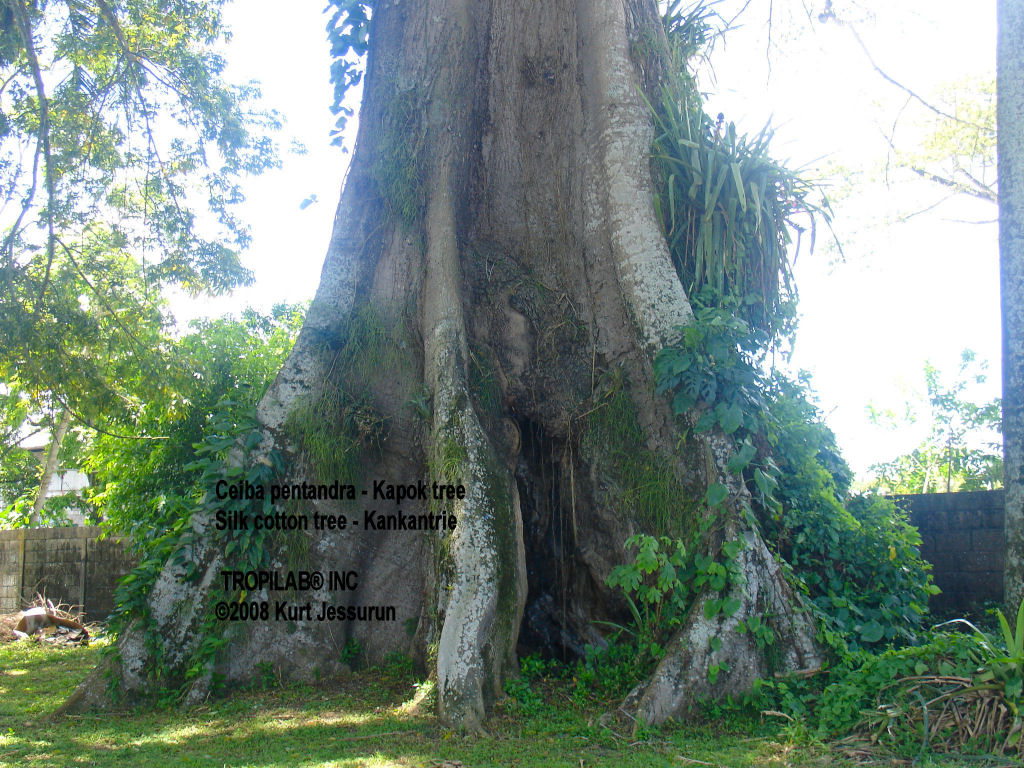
993	189
8	447
829	13
103	299
976	190
92	425
936	204
134	57
13	233
983	193
24	23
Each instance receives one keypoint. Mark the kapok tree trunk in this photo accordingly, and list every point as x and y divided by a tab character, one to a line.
497	279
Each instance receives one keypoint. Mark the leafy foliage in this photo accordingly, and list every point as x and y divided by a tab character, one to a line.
122	150
226	453
144	486
20	468
84	84
348	32
835	701
90	344
954	691
727	210
17	465
957	145
661	595
606	674
859	557
666	576
858	560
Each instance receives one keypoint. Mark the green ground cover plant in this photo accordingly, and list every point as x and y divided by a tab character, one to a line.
378	717
959	691
856	558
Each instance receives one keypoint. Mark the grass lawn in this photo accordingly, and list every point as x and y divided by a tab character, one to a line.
369	719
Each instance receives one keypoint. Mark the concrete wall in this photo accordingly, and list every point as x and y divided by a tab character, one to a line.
67	565
962	537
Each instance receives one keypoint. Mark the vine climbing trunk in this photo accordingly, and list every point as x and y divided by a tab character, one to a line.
496	288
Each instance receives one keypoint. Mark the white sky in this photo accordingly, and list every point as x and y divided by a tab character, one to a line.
905	292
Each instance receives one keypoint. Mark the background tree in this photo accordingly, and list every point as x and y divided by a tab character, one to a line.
1010	76
954	456
219	370
17	465
121	150
958	147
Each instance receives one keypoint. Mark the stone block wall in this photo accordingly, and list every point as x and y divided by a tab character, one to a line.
962	537
10	571
68	565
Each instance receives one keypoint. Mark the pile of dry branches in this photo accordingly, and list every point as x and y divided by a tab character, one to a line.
56	624
948	713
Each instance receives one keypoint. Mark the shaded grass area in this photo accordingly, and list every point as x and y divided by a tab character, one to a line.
369	719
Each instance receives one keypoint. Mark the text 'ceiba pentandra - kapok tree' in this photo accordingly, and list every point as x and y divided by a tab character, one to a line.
469	427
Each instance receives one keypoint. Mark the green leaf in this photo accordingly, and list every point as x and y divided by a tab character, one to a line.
668	364
253	439
1017	647
730	417
647	559
872	632
742	458
730	606
711	608
705	423
738	181
1007	634
682	403
1014	686
765	483
716	494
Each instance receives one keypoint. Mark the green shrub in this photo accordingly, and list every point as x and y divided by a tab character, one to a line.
957	691
858	557
605	675
858	560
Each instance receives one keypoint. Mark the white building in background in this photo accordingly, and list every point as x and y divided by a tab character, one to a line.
64	480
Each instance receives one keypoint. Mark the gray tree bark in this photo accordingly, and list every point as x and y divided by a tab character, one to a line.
1010	123
499	218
